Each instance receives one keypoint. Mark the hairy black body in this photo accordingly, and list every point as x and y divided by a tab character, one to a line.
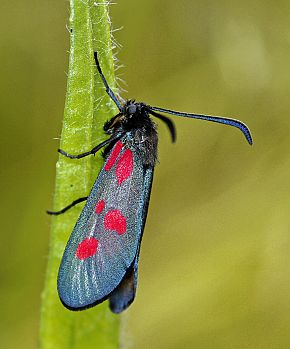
140	130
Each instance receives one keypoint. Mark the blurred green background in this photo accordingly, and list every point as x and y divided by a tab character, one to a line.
215	259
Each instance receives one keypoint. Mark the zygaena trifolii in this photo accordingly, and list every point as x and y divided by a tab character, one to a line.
100	260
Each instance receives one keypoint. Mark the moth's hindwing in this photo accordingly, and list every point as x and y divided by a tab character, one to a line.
105	241
124	294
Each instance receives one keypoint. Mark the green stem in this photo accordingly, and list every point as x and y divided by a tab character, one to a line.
87	108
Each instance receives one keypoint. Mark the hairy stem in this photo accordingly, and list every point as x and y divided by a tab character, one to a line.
87	108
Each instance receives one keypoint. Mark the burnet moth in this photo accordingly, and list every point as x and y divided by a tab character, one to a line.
100	260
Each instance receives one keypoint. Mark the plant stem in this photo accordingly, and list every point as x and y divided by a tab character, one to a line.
87	108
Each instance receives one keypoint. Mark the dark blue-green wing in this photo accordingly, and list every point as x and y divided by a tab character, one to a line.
101	257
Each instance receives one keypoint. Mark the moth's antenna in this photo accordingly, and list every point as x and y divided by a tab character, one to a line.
231	122
108	90
167	121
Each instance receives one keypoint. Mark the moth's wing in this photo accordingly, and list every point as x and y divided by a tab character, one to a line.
104	243
124	294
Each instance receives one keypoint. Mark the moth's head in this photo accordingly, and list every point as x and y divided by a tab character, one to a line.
133	109
132	116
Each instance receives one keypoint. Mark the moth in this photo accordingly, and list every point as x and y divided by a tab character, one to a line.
100	260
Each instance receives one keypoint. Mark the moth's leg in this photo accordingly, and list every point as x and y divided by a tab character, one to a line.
56	213
90	152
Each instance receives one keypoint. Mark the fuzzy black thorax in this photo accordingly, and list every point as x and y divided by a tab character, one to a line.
134	122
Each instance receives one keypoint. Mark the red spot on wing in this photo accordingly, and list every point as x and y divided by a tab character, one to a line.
125	166
114	220
113	156
87	248
100	206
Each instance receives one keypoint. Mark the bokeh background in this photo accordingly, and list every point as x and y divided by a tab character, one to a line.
215	259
